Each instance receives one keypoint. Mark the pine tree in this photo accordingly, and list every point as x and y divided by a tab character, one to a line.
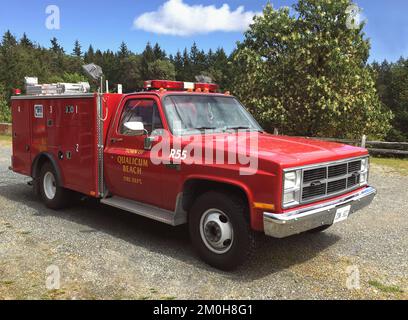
55	46
9	40
123	51
178	65
89	55
148	56
158	53
25	42
77	52
187	73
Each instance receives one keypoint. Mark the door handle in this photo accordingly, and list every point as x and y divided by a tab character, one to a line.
116	140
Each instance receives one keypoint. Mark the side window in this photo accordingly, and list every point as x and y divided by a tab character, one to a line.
141	110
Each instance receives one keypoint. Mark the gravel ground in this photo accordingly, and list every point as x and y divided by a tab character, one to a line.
103	253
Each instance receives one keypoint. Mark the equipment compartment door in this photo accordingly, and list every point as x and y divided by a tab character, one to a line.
129	170
21	136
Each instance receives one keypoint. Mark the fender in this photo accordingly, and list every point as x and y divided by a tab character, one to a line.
35	170
231	182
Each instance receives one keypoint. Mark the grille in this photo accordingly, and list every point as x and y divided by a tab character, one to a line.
329	180
313	191
354	166
353	181
336	186
339	170
315	175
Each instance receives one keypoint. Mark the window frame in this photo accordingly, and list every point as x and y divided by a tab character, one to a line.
133	98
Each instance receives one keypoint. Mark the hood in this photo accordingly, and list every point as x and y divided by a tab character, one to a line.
294	152
285	152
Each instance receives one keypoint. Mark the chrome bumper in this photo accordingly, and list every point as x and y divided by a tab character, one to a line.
306	219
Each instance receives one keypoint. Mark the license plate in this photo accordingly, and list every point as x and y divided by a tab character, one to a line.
342	214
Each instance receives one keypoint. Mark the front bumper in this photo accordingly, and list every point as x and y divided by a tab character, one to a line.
306	219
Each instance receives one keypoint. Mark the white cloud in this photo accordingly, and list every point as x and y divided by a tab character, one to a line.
177	18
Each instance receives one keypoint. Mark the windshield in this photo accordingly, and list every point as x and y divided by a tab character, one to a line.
188	114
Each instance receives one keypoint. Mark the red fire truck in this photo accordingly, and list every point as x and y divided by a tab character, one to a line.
106	146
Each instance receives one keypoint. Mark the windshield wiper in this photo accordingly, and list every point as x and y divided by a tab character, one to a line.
239	128
205	128
243	128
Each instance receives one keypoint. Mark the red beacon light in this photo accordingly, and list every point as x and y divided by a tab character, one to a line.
164	84
207	87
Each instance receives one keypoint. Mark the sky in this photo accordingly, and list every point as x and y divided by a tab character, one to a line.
176	24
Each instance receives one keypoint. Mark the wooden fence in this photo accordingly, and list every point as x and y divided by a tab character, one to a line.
379	148
376	148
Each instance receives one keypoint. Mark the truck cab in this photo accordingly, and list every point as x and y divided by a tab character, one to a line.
182	153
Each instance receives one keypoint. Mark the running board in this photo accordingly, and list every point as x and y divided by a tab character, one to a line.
147	211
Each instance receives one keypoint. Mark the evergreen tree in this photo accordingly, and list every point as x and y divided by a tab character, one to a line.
77	52
178	65
123	51
148	56
55	46
9	40
25	42
89	55
158	53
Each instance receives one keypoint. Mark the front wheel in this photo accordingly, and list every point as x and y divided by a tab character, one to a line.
220	230
54	196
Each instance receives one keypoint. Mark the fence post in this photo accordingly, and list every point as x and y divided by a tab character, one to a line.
363	141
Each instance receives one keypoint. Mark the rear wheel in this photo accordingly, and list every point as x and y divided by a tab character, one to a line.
54	196
220	230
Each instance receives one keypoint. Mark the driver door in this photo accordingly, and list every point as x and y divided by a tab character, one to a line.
129	171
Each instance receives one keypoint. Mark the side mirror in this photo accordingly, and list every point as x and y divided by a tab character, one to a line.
136	128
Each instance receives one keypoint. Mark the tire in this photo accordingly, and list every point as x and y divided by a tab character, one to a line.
217	216
54	196
320	229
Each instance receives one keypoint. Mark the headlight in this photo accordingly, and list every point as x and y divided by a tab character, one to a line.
292	180
291	188
365	168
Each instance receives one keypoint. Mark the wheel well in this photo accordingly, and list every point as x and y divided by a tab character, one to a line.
194	188
39	163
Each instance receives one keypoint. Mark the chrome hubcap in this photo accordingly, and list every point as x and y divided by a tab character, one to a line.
216	231
50	186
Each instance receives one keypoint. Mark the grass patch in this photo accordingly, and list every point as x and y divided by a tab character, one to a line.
398	165
4	138
53	295
384	288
